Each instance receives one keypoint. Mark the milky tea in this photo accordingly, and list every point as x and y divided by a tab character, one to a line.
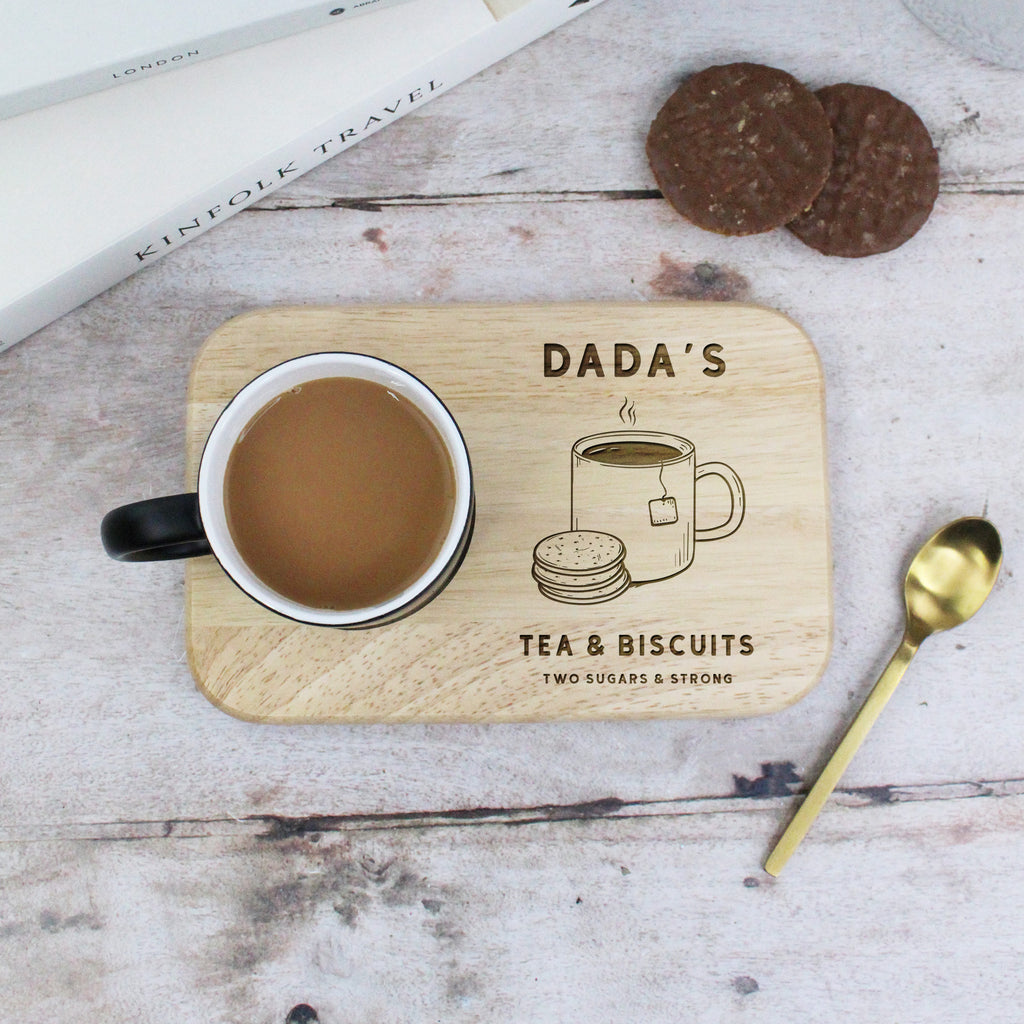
339	493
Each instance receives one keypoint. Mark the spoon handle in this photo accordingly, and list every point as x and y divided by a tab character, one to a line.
830	775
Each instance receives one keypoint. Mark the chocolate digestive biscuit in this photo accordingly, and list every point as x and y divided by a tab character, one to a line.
884	178
740	148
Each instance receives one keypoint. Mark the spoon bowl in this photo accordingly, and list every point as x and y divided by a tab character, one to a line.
951	576
947	582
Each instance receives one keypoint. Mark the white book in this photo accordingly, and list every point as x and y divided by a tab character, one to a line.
99	187
60	49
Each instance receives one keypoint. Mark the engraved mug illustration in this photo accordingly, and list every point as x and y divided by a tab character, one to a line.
640	486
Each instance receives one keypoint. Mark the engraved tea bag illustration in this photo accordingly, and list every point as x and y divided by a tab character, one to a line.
664	510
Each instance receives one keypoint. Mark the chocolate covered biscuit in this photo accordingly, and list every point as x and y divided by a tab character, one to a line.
740	148
884	177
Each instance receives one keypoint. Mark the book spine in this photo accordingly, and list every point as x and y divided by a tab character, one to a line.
177	54
175	227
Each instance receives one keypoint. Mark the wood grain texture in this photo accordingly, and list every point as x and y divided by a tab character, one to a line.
910	909
496	143
127	800
745	629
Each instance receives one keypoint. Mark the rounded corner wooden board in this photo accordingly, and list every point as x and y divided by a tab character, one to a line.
745	629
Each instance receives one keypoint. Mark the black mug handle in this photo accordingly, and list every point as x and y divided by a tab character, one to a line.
155	530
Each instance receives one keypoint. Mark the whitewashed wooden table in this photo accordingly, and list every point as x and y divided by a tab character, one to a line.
162	861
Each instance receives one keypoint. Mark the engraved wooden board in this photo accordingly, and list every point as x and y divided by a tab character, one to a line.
744	629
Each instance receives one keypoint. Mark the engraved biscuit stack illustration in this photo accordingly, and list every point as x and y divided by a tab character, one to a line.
580	567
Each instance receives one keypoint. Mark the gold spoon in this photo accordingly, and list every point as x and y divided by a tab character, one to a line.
947	582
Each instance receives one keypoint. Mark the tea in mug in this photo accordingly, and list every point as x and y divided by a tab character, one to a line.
339	493
631	453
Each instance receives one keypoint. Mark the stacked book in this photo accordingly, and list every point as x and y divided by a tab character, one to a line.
108	162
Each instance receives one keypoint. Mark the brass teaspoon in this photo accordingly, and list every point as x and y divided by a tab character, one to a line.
947	582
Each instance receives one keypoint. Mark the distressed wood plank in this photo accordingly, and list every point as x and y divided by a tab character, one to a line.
569	113
748	795
911	908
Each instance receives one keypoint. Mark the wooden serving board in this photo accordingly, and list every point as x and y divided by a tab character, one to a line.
745	629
